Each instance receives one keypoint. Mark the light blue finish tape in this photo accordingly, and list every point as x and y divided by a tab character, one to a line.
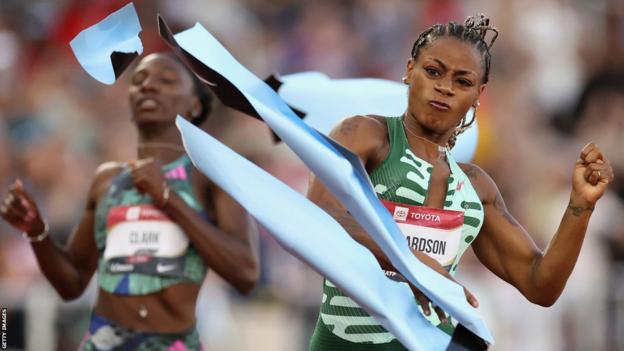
314	237
93	47
340	170
326	101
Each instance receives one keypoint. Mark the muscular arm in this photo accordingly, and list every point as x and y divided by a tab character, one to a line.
363	136
231	246
507	250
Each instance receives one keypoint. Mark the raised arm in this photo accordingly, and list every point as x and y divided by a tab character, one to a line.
68	269
506	249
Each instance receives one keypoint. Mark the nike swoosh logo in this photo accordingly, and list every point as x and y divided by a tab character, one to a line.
165	268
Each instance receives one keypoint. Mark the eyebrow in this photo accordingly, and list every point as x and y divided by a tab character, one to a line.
162	70
460	72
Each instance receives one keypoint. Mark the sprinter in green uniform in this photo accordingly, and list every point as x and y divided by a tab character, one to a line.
413	174
151	228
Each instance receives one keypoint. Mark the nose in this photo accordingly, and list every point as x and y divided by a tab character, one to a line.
149	84
444	87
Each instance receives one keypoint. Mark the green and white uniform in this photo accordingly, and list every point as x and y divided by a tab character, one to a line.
401	178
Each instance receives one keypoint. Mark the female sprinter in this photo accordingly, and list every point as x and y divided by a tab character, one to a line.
414	175
150	229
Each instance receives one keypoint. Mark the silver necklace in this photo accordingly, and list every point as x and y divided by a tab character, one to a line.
161	145
441	149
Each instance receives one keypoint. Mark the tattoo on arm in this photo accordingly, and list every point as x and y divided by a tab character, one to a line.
472	173
499	204
578	210
348	126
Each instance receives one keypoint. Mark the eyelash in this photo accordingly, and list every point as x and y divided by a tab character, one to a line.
167	80
435	73
137	80
432	71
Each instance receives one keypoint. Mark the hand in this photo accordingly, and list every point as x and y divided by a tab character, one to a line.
425	302
592	174
148	179
20	210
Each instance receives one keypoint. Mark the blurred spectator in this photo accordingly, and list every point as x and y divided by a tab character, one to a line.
57	124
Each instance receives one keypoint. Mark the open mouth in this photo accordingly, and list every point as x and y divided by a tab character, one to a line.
438	105
147	104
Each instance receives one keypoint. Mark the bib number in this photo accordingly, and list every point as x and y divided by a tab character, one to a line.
435	232
142	239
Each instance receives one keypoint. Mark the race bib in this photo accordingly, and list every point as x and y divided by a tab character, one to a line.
435	232
143	239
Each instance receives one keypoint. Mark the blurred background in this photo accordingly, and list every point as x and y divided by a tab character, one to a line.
557	82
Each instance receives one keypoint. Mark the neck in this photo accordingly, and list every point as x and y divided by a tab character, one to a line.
159	142
425	143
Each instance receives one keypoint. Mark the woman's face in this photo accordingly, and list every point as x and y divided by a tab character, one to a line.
160	89
444	82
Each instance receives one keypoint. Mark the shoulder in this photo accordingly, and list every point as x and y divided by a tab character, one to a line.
483	184
102	179
361	133
360	124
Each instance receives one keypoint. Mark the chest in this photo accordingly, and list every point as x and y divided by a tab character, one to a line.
404	179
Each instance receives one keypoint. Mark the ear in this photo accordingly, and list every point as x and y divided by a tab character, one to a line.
410	64
475	104
196	108
409	67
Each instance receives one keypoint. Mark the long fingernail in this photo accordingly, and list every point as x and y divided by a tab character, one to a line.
599	161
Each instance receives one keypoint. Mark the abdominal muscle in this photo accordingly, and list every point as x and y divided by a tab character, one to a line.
171	310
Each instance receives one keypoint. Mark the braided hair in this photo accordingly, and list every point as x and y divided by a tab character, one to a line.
473	31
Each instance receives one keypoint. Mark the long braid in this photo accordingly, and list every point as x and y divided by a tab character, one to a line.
474	31
463	126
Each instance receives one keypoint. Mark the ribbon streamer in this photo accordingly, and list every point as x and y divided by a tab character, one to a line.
339	169
315	237
107	48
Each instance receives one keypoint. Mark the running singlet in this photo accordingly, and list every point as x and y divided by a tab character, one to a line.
140	250
402	179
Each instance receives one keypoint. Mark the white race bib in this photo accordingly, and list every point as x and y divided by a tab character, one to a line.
435	232
143	230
